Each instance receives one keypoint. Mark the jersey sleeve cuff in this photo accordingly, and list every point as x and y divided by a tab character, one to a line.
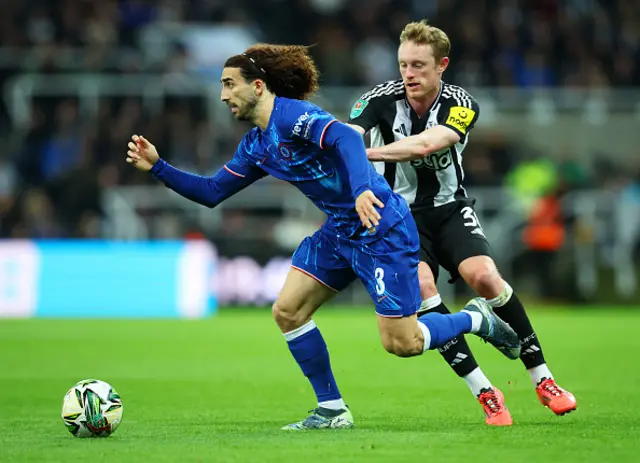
324	131
158	167
361	189
460	134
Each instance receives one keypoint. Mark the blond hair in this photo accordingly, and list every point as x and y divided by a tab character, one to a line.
422	33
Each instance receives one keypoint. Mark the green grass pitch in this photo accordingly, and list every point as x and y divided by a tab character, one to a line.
217	390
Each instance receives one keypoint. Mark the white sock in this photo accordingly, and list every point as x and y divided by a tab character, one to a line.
430	303
427	336
502	298
304	329
476	380
539	372
476	320
336	404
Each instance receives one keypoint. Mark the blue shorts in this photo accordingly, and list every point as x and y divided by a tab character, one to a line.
388	267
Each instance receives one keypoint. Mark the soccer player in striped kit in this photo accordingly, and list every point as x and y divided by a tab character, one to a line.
419	128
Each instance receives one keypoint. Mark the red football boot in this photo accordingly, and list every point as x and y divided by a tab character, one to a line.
495	411
554	397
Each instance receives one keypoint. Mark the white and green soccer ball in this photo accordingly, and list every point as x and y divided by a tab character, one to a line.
92	408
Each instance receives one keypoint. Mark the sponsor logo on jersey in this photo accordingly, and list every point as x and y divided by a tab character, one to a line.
357	108
460	118
436	161
302	127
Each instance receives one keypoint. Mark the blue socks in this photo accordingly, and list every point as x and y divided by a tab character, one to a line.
310	351
443	328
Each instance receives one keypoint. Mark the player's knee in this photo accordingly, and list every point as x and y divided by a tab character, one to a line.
402	346
428	289
287	317
485	279
427	282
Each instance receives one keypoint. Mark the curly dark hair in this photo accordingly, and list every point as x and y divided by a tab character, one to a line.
287	70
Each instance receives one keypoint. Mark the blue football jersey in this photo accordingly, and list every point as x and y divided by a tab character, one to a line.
291	149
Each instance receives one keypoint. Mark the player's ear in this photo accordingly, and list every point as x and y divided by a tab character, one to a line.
258	86
444	63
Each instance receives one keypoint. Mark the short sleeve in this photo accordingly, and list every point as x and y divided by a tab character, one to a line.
459	113
364	113
299	119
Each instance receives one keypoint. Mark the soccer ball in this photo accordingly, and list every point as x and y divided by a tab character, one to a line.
92	408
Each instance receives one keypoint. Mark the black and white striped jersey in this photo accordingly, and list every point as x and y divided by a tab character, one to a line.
434	180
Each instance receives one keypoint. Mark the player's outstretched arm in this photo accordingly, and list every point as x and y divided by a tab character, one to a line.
418	146
208	191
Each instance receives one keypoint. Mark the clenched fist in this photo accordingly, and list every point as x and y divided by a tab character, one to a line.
142	154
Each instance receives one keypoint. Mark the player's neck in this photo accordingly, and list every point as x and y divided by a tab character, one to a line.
423	105
264	110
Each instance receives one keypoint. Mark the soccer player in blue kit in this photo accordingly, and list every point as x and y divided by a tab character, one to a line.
369	233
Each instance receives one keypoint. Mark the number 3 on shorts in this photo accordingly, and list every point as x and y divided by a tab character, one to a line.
471	220
470	217
380	287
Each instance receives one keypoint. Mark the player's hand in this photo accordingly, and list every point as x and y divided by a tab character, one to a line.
142	154
365	206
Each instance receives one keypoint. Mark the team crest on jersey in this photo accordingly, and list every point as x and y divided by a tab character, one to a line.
285	150
357	108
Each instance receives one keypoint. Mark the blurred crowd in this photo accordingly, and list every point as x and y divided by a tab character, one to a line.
52	172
